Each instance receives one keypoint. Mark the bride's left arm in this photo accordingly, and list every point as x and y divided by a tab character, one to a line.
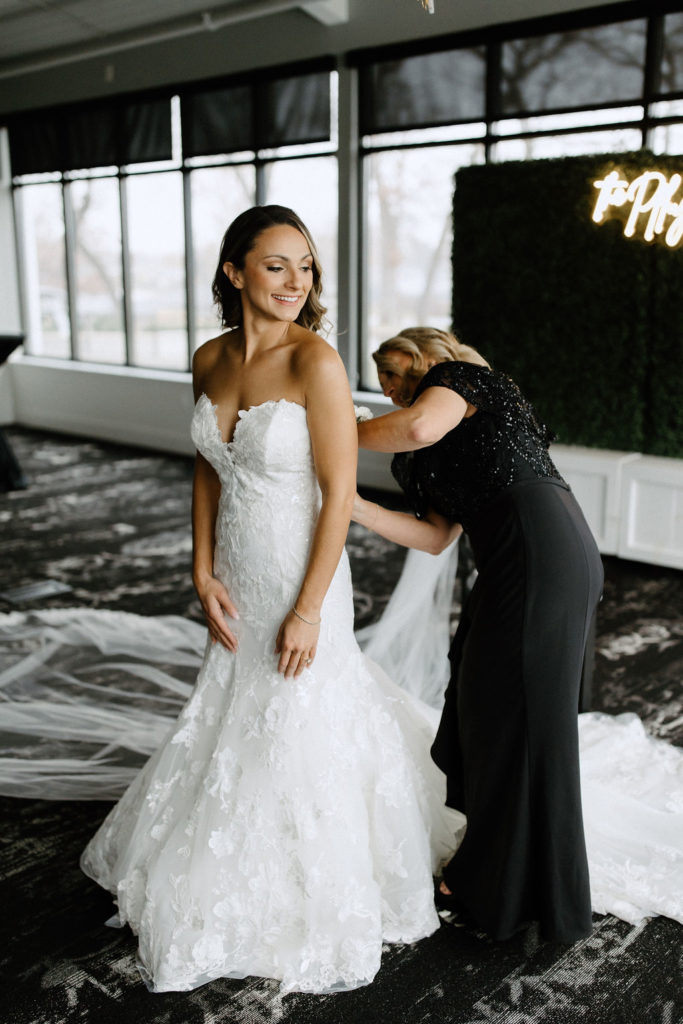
332	427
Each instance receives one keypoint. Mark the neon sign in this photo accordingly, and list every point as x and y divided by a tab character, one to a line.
650	195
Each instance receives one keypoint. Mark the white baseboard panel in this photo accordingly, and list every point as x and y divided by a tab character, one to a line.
595	477
651	527
8	413
136	407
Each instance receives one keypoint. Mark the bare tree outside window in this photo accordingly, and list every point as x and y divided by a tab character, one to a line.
97	255
409	236
48	327
310	187
574	69
218	195
157	245
436	88
671	79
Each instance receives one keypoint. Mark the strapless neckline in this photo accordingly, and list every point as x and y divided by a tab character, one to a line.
242	413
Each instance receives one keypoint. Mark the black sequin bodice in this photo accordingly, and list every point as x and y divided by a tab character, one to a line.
502	443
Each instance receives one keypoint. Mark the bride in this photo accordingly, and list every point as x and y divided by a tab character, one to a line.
290	822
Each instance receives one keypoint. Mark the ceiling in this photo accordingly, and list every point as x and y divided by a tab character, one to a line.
54	51
47	32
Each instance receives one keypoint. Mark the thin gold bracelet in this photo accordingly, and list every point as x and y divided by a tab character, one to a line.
307	621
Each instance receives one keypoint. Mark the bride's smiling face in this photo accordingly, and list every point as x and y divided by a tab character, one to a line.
277	274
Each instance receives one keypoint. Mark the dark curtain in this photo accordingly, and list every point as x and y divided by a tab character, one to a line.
37	142
294	110
425	91
227	117
218	121
94	135
145	132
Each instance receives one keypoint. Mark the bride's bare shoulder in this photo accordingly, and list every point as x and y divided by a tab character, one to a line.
312	351
206	358
211	350
318	366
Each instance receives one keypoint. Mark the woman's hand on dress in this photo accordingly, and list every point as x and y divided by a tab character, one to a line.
216	603
296	644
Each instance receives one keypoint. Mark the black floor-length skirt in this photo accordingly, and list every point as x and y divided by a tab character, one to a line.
508	735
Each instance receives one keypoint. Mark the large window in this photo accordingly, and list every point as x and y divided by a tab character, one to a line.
581	68
310	187
41	217
409	238
158	330
118	258
586	89
99	325
666	135
218	195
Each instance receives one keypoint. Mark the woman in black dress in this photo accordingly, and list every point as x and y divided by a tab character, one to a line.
471	451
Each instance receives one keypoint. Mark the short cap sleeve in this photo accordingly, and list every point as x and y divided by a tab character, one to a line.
470	381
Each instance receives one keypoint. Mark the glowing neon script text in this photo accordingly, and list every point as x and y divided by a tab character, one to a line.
652	194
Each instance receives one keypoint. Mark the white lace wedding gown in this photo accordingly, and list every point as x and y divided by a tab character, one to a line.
285	827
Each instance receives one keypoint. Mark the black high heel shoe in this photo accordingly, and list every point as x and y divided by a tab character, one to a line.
450	902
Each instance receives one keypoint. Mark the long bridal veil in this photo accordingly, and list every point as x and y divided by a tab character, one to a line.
86	696
411	638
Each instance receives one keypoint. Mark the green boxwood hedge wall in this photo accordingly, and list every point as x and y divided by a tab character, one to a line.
588	322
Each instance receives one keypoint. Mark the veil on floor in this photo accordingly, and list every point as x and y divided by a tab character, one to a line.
87	695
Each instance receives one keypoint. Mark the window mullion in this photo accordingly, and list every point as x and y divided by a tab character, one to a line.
348	250
70	266
189	265
125	270
654	50
494	56
260	182
20	250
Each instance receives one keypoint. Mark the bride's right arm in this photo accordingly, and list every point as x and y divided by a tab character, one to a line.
206	491
431	534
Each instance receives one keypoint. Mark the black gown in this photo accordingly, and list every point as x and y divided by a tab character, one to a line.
508	740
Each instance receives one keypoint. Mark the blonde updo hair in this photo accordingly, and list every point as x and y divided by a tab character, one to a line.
425	346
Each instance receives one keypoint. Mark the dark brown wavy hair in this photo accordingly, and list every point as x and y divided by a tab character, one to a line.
239	240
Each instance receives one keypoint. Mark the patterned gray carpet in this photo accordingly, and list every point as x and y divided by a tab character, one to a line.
113	524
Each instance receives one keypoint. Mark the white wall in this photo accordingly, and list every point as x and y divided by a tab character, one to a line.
651	526
140	407
7	407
